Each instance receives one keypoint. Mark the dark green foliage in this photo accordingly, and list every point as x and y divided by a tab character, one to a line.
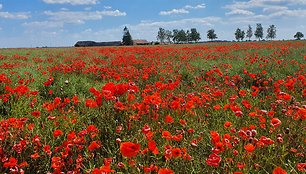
127	38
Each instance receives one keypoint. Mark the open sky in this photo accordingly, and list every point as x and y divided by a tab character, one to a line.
32	23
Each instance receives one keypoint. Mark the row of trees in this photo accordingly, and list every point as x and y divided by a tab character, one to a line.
178	36
240	34
192	35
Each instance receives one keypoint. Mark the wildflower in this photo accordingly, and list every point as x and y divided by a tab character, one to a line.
165	171
249	147
279	170
152	147
11	163
301	166
167	135
169	119
275	122
129	149
35	156
36	114
227	124
213	160
94	145
57	133
91	103
176	152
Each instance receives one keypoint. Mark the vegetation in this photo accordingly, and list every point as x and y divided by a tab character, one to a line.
239	34
127	38
259	32
178	36
211	34
210	108
194	35
298	35
271	32
249	32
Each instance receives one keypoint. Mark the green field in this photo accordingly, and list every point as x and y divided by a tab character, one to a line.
198	108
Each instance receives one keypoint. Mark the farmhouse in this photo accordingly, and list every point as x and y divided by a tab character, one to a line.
96	44
141	42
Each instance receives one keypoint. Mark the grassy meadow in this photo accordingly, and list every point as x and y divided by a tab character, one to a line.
202	108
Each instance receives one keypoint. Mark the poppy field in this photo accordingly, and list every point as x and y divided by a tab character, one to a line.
202	108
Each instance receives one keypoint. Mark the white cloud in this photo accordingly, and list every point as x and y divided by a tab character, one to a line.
79	17
273	9
72	2
184	10
60	18
239	12
43	24
19	15
183	22
174	11
262	3
266	10
248	19
64	9
199	6
290	13
107	7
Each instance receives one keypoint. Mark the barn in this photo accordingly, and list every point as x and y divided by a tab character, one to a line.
96	44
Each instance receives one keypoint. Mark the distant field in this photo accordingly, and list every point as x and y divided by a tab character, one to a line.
207	108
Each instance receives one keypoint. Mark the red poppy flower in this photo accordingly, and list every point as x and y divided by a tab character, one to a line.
301	167
129	149
279	170
36	114
35	156
167	135
165	171
152	147
57	133
176	152
94	145
11	163
275	122
227	124
249	147
213	160
169	119
91	103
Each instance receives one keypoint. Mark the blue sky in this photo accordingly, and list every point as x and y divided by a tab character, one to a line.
31	23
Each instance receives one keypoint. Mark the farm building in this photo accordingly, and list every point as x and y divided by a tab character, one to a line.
96	44
141	42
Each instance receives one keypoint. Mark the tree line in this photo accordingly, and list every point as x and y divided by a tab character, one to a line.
178	36
193	36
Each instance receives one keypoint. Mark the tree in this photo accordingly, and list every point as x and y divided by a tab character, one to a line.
188	36
168	36
242	35
194	35
259	32
211	34
249	32
181	36
127	38
271	32
161	35
239	34
298	35
175	35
